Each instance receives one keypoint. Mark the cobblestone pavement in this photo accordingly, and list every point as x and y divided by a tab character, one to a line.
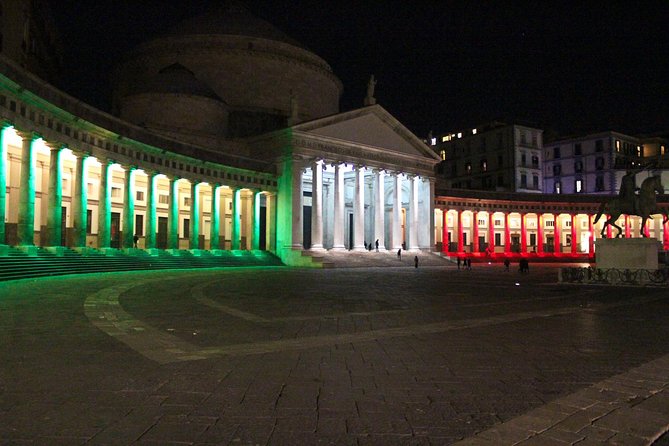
279	356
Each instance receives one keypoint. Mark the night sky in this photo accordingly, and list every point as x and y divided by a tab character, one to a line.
440	66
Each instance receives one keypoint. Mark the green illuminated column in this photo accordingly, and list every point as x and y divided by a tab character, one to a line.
4	125
236	217
173	218
194	215
54	223
255	244
129	207
150	240
104	205
79	201
215	234
26	223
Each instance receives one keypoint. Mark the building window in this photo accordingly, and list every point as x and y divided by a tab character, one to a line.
617	145
599	183
523	159
557	187
443	154
599	163
638	151
577	149
115	192
163	199
556	152
550	223
523	181
557	169
523	137
500	180
599	145
468	168
484	165
139	225
578	166
535	182
578	186
535	161
662	150
498	239
481	221
534	138
139	195
89	221
500	161
186	201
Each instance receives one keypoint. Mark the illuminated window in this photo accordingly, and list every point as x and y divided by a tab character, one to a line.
443	154
473	131
433	141
617	145
550	223
459	135
557	187
484	165
481	221
662	150
116	192
578	186
638	151
468	168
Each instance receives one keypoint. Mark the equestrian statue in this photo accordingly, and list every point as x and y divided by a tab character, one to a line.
643	204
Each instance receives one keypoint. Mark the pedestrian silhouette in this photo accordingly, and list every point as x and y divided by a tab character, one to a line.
506	264
458	262
399	254
377	245
135	239
415	261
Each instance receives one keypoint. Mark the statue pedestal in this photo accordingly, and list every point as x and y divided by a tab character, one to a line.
626	253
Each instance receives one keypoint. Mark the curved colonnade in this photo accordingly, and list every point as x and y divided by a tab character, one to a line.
66	180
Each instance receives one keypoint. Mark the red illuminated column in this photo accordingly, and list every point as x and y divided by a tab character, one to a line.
491	232
608	228
444	231
646	230
475	231
523	234
628	229
591	241
574	242
459	231
540	233
665	235
507	233
556	234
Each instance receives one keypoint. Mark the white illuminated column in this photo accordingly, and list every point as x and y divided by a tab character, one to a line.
359	210
316	206
54	216
338	220
255	242
379	209
215	228
194	242
236	217
4	127
173	210
413	213
104	205
129	207
26	219
150	235
397	212
296	205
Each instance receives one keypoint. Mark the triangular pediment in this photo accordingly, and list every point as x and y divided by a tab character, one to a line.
369	126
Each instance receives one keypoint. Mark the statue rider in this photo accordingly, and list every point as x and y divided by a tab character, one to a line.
628	189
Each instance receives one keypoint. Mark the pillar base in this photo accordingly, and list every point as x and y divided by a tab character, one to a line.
338	248
84	250
359	248
197	252
58	251
217	252
108	251
317	248
133	251
174	252
154	252
30	250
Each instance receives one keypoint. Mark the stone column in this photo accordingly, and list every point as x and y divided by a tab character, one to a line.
665	235
236	218
54	219
215	228
608	228
574	242
129	207
255	242
338	220
316	206
444	231
475	231
523	233
151	224
359	210
413	213
194	226
460	232
173	217
296	206
379	210
540	233
104	205
4	125
397	212
591	239
507	232
79	201
26	220
491	232
628	227
556	234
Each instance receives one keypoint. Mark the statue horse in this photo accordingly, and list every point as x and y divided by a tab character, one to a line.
646	205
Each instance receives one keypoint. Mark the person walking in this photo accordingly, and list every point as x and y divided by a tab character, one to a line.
377	245
415	261
506	264
399	254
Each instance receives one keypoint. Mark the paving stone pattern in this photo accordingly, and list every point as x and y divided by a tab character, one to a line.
363	356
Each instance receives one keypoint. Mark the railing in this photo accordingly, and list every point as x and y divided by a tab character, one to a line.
614	276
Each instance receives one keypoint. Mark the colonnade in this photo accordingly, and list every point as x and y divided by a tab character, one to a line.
26	181
376	206
551	233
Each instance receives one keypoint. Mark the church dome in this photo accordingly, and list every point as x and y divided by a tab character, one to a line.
229	54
